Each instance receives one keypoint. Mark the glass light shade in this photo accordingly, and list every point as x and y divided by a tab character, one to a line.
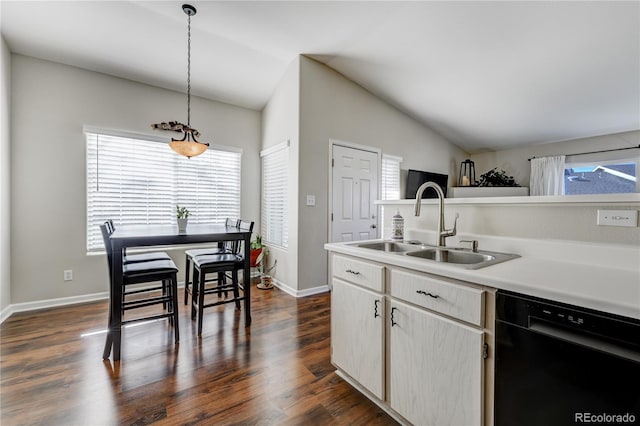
188	148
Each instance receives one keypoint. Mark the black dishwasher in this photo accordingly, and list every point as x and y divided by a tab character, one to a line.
558	364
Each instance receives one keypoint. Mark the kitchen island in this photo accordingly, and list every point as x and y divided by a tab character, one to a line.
417	336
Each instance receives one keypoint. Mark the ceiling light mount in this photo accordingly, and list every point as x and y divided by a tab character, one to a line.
189	10
188	145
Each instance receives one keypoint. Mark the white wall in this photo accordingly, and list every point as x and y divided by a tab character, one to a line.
333	107
514	161
280	122
5	178
50	104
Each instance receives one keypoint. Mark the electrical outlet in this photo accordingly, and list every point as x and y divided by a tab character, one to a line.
311	200
68	275
627	218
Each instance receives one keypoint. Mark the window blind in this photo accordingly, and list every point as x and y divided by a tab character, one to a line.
275	176
136	181
390	177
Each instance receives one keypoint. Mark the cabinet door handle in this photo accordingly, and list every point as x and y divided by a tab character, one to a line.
392	318
349	271
435	296
375	308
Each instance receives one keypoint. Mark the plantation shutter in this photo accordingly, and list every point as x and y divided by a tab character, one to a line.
390	177
275	176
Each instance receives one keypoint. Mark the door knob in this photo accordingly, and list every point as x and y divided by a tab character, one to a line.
373	226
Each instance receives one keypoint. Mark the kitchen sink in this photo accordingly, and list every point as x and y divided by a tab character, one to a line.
463	258
452	256
390	246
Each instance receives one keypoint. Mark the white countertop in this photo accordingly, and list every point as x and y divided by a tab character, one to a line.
612	287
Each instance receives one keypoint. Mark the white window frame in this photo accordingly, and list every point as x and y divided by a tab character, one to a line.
208	185
275	195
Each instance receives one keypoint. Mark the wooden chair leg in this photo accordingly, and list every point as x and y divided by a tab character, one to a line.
194	292
186	279
221	282
236	291
201	284
174	299
165	290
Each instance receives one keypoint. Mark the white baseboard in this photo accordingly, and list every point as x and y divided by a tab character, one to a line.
51	303
73	300
6	313
300	293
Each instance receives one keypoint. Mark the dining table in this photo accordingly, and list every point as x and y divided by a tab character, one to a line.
128	236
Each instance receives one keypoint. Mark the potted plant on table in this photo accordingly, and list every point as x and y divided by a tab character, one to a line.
182	215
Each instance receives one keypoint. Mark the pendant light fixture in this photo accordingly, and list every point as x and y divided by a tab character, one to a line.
188	145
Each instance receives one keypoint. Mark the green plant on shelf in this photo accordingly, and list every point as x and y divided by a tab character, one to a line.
495	177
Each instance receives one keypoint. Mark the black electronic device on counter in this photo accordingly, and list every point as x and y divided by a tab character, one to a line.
415	178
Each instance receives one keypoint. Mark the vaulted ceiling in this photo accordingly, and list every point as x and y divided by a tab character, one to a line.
486	75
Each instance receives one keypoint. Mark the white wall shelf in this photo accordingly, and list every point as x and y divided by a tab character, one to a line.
601	199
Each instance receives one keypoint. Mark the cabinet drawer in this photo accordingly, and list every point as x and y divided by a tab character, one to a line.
455	300
358	272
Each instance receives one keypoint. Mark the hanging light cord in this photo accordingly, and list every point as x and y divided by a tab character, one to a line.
189	71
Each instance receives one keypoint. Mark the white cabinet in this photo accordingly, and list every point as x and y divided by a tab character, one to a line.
357	320
413	342
365	274
435	368
439	294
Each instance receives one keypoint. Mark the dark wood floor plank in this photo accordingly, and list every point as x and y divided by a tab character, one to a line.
276	372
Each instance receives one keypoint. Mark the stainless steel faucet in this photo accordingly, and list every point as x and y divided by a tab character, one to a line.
442	233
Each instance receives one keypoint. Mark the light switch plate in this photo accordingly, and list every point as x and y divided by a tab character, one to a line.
628	218
311	200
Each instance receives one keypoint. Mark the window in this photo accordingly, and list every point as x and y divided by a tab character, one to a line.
275	195
136	181
390	178
600	177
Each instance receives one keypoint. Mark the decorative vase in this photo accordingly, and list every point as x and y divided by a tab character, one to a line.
254	253
266	282
182	224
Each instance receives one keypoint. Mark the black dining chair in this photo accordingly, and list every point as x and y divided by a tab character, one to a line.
226	247
219	264
164	271
138	257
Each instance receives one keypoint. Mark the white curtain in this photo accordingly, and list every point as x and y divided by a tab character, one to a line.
547	176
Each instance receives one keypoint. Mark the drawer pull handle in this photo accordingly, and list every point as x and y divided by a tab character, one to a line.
392	319
435	296
375	308
349	271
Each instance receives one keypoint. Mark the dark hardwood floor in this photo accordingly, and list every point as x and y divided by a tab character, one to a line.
277	371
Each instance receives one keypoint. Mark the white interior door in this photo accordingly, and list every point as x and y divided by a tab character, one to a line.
355	188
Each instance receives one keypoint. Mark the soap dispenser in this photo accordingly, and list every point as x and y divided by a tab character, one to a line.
397	226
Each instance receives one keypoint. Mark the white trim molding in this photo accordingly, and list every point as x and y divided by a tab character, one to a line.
85	298
274	148
51	303
300	293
